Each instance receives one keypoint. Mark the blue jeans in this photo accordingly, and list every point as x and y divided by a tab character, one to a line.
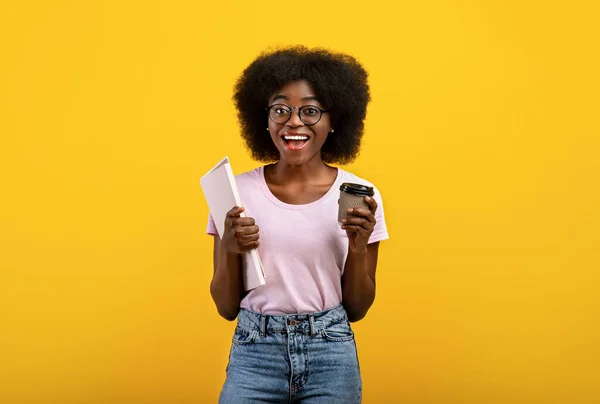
295	358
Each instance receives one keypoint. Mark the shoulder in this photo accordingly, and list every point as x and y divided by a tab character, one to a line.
251	177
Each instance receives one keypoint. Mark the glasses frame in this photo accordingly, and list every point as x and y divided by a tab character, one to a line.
299	113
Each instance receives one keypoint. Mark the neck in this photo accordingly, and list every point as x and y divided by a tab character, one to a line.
310	171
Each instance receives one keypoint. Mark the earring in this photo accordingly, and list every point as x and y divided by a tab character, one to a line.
331	131
267	129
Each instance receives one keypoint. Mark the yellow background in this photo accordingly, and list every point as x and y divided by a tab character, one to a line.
482	136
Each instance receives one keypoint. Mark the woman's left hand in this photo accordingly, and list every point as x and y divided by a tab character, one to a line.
359	225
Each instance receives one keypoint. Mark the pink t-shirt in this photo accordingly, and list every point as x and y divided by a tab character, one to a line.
302	247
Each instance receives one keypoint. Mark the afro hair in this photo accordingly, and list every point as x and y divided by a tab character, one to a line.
340	83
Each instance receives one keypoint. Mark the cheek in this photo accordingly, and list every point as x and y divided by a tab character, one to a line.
322	131
324	126
272	129
325	121
272	133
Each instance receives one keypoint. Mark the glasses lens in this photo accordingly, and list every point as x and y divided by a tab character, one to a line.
310	114
279	113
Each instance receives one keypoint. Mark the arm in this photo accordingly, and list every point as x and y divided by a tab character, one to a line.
227	286
358	281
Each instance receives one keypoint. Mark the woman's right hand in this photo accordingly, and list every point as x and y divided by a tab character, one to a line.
240	234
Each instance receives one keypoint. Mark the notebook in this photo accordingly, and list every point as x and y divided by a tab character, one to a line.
221	194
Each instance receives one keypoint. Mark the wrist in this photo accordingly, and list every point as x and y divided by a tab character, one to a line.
228	254
360	252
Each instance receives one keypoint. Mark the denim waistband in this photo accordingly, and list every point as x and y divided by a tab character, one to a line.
250	321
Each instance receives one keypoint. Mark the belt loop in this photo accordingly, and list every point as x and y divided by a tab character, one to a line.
311	321
263	325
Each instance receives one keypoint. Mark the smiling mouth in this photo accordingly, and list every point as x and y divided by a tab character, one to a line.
295	142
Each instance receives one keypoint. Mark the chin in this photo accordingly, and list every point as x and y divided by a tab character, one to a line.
293	161
297	159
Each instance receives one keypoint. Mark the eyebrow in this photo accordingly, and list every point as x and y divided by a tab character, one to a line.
283	97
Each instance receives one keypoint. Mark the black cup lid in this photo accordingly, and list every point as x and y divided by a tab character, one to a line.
357	189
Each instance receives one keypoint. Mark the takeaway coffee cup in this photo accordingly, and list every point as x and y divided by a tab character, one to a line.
353	196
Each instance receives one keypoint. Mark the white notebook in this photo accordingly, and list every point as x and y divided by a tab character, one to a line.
221	193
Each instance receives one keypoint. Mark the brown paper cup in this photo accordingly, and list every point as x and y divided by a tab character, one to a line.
348	201
352	196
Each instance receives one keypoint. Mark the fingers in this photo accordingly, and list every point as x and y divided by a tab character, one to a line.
361	212
243	239
249	246
246	238
357	224
356	229
372	204
242	221
247	242
361	220
235	211
246	235
358	215
243	231
369	213
233	219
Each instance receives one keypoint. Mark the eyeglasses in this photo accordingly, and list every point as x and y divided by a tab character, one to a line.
309	114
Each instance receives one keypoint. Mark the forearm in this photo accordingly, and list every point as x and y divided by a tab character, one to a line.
227	287
358	289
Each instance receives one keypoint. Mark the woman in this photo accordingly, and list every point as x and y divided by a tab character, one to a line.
301	109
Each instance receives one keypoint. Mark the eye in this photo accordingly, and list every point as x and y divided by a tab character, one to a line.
280	110
310	111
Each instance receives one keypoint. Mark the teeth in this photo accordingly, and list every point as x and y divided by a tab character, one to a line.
295	137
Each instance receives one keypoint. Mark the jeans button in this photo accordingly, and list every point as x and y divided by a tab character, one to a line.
293	322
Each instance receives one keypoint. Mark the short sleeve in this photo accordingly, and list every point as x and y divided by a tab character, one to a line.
211	228
380	231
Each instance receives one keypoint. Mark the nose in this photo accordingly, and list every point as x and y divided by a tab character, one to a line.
295	120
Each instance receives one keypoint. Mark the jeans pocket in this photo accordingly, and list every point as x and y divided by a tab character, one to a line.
339	332
243	337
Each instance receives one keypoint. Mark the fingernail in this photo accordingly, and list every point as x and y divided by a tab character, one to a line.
343	220
368	198
350	210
